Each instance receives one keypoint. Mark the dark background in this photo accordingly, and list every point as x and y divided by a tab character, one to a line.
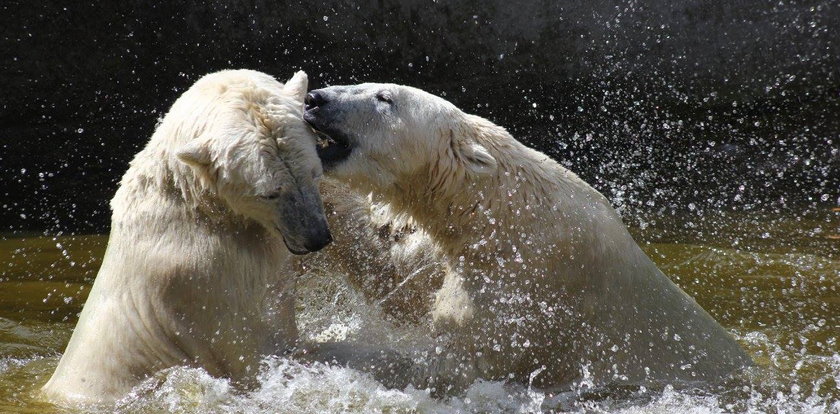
664	106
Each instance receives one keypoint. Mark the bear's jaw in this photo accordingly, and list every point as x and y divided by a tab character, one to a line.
334	146
333	150
288	246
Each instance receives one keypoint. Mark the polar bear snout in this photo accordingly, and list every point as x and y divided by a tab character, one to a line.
319	239
323	112
317	236
319	111
302	222
314	99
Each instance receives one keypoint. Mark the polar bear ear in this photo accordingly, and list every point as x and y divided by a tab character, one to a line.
477	158
194	154
296	86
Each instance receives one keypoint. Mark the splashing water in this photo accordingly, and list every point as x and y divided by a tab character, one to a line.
779	298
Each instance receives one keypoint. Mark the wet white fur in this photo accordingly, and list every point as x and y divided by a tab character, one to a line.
545	274
386	257
193	273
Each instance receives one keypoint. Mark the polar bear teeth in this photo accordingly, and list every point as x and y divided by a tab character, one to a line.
324	140
332	150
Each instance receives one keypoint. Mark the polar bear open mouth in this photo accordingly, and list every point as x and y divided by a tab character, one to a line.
332	149
333	145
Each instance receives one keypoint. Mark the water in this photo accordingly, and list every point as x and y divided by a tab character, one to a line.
772	279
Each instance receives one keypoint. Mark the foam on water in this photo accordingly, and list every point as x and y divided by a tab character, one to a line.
285	386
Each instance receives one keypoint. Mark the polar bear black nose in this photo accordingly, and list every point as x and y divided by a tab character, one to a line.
319	242
315	98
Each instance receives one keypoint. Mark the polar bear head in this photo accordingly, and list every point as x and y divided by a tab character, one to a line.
379	133
248	146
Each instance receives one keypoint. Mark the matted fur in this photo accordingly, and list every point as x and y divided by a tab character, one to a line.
195	272
385	256
547	286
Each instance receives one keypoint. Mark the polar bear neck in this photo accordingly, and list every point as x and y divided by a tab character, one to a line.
533	233
468	207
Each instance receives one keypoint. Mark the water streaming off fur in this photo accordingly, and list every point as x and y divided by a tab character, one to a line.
772	280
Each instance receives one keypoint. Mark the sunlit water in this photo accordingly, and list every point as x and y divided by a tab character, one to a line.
773	280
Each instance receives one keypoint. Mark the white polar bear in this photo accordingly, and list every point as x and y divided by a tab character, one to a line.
547	283
195	272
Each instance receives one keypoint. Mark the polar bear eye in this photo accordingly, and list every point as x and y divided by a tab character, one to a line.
384	96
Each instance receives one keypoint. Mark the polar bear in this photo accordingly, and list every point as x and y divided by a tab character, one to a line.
546	284
195	272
